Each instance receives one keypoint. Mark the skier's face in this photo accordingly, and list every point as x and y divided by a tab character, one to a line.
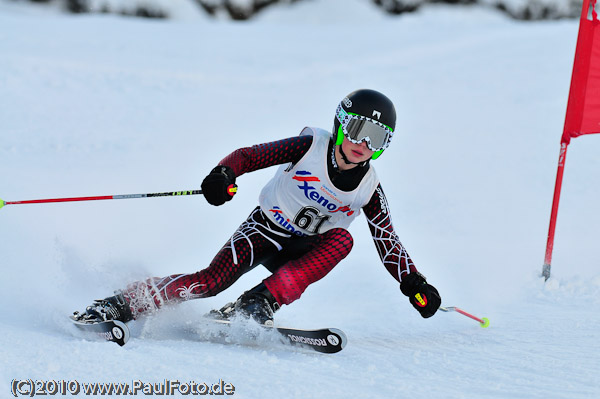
356	152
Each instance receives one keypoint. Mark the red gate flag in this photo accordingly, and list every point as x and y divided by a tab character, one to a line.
583	108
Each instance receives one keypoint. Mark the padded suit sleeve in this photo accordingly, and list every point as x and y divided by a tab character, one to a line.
394	256
262	156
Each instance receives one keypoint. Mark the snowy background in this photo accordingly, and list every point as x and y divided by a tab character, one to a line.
242	10
98	105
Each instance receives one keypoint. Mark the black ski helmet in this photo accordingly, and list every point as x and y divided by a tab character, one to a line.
365	115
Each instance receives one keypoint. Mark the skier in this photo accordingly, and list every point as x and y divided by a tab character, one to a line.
299	230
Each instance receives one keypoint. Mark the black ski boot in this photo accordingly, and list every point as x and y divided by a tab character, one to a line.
111	308
257	303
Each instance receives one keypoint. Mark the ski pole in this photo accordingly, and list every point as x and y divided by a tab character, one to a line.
484	322
102	197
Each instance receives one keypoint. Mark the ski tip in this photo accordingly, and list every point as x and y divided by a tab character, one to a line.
120	332
486	322
2	203
343	340
112	330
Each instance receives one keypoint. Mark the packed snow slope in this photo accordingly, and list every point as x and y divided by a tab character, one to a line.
102	105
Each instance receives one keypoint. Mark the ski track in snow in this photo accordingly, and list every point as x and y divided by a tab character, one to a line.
96	105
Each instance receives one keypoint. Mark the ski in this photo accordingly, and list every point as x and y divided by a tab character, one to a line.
111	330
323	340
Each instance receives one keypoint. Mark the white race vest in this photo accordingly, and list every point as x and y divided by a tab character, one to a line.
302	199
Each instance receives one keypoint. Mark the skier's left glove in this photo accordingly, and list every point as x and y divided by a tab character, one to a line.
424	297
219	186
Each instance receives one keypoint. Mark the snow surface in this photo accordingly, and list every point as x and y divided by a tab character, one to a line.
98	105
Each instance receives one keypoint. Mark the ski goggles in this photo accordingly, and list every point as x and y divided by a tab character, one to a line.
358	128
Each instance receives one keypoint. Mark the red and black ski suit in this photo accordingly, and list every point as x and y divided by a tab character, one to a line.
296	262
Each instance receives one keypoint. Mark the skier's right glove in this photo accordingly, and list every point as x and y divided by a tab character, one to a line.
424	297
219	186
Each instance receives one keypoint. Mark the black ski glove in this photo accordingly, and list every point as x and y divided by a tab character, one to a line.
424	297
219	186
